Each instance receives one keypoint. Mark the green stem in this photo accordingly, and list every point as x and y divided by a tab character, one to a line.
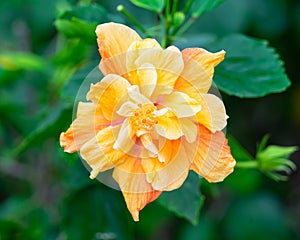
174	8
179	31
122	10
247	164
187	6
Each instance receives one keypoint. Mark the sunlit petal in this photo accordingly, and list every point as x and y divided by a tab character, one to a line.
181	104
99	153
213	160
83	128
108	93
213	114
147	79
198	71
169	127
125	138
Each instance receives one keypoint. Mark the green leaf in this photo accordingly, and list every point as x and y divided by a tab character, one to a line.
93	13
14	61
251	68
76	28
237	151
152	5
96	212
185	201
199	7
49	127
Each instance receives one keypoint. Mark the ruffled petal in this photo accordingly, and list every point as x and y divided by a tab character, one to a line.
213	114
168	64
108	94
114	39
213	161
134	186
189	129
147	76
88	122
198	71
99	152
170	174
125	139
137	201
168	126
181	104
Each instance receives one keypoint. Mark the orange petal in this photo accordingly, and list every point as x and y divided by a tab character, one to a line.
99	152
147	77
88	122
168	64
114	39
213	161
213	114
108	93
181	104
170	174
134	186
198	71
168	126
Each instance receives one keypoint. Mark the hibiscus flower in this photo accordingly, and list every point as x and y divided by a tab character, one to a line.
151	118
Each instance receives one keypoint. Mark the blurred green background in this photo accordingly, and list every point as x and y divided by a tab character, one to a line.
46	194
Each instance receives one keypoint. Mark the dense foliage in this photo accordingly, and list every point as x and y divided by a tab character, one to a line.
48	48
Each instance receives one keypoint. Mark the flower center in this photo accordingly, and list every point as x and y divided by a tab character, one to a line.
144	118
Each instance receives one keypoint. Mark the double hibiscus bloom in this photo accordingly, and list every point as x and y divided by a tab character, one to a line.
151	118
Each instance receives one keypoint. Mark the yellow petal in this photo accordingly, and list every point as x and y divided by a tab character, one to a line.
181	104
99	152
88	122
213	161
132	181
108	93
198	71
114	39
136	96
147	142
213	114
137	201
127	109
168	175
147	76
168	64
189	129
125	137
168	127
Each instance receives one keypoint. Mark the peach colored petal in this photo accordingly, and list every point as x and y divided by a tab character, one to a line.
147	79
99	152
198	71
213	114
168	64
114	39
88	122
189	129
181	104
136	190
168	126
108	93
137	201
170	174
147	142
136	48
125	138
213	161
